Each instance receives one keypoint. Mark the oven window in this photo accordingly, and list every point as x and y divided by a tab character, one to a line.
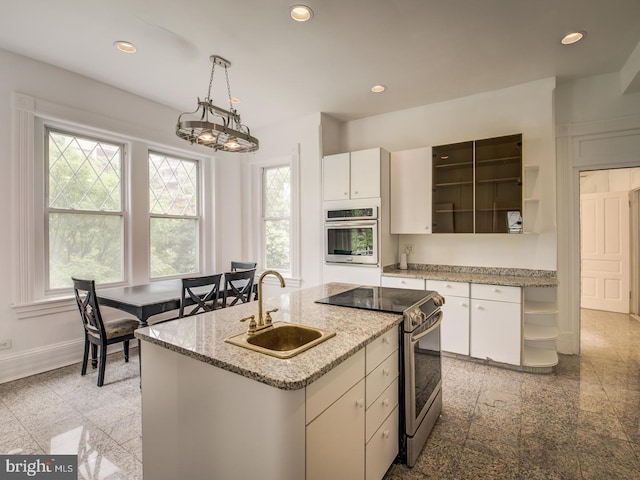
357	241
428	368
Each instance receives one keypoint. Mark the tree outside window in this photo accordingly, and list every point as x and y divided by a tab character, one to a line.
276	217
83	209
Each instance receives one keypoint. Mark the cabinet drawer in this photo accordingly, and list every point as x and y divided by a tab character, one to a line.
444	288
381	377
382	449
403	282
381	408
331	386
381	348
499	293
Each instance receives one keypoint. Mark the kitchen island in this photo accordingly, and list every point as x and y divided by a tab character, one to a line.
211	409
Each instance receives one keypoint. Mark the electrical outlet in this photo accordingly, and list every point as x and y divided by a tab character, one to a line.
408	248
5	344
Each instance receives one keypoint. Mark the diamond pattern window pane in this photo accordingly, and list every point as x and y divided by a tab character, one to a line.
277	192
173	186
84	174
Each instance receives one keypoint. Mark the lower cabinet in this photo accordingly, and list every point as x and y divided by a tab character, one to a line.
352	415
454	332
335	439
496	323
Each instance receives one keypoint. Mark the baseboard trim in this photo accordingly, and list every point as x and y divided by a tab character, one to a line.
39	360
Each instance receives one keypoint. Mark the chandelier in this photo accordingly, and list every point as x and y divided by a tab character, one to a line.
215	127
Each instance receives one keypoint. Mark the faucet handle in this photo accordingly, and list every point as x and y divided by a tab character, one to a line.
267	318
253	326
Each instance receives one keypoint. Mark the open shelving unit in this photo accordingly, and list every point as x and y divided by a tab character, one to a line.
540	330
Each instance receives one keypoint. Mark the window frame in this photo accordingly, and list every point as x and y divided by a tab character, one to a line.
48	127
256	240
199	217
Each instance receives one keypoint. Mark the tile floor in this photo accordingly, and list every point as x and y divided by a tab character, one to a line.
581	423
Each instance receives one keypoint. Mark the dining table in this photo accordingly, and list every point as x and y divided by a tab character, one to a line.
143	301
149	299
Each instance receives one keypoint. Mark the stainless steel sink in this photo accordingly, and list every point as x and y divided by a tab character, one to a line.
282	339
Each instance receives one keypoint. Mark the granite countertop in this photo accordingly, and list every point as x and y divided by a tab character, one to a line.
512	277
202	336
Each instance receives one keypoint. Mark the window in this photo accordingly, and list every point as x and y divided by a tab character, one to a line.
84	209
276	217
174	218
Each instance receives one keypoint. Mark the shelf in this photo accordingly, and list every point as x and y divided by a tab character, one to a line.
490	161
538	357
453	184
500	180
531	168
540	308
539	332
454	165
531	200
502	209
455	211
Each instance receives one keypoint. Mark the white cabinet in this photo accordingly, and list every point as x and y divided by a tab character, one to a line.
454	332
540	329
335	440
336	176
410	185
403	282
335	413
353	175
352	415
496	323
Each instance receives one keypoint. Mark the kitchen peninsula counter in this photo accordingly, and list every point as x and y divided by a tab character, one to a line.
211	409
201	337
513	277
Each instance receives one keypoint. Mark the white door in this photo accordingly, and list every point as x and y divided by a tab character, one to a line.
604	220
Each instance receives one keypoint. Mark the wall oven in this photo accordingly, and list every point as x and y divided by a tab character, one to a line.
351	236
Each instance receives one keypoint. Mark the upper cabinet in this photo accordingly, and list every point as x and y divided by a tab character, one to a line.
352	175
477	186
411	191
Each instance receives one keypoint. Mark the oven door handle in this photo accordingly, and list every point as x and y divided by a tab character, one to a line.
416	338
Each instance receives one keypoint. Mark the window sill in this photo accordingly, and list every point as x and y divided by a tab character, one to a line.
42	308
289	281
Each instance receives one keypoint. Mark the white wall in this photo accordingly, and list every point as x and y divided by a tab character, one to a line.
616	180
526	109
597	128
46	335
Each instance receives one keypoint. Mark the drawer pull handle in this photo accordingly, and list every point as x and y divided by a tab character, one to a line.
360	403
479	307
496	290
385	434
463	304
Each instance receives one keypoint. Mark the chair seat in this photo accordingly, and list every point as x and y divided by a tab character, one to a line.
118	327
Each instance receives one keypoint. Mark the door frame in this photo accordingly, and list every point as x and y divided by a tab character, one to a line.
634	245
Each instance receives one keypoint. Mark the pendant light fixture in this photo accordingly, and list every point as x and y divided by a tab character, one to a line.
215	127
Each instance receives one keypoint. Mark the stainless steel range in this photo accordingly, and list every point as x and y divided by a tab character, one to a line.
421	368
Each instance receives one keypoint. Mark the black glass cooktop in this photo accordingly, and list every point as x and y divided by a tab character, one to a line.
384	299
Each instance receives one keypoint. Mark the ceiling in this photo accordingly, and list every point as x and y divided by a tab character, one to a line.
424	51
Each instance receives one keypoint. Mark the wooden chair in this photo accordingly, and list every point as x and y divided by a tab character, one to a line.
99	333
235	266
205	301
238	286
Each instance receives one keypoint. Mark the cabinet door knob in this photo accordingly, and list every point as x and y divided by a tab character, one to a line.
355	192
386	339
360	403
385	402
479	307
385	434
386	372
496	290
462	304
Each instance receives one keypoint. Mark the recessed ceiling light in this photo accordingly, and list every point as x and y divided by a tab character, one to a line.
126	47
378	88
301	13
234	100
572	37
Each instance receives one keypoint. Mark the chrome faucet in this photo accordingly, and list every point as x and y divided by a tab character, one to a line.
266	322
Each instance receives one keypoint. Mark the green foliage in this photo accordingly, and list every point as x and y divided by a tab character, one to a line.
277	212
173	246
